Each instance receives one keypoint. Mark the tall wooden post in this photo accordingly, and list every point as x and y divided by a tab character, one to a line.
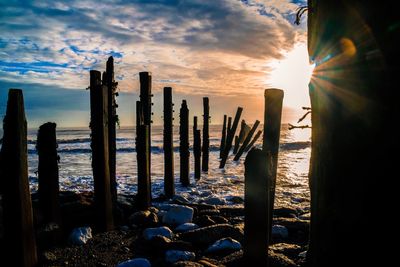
246	141
169	186
145	100
109	81
48	173
100	161
196	149
143	197
206	136
272	130
19	237
256	207
229	138
258	134
184	144
223	137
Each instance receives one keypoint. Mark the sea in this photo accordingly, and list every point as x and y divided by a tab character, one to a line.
75	172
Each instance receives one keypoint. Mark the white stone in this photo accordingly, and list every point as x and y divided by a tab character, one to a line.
280	231
138	262
172	256
186	227
149	233
79	236
178	215
224	244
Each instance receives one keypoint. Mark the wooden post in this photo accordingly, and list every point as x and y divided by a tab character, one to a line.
100	162
241	136
229	138
206	140
46	147
256	208
19	237
169	186
258	134
272	129
223	137
236	144
184	144
228	128
246	141
145	100
196	149
143	196
109	81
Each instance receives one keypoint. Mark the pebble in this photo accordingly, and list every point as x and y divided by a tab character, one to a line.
279	231
138	262
79	236
149	233
178	215
214	201
186	227
172	256
224	244
143	218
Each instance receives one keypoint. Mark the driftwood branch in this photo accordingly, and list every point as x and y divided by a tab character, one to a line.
304	116
291	126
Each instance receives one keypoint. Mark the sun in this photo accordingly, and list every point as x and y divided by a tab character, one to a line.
292	74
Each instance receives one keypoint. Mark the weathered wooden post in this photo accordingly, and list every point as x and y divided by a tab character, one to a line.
258	134
169	186
240	137
100	163
223	137
228	128
272	130
143	196
196	149
246	141
256	208
145	100
109	81
229	138
206	137
48	190
19	236
184	144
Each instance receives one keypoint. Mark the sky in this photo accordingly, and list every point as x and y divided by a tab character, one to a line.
228	50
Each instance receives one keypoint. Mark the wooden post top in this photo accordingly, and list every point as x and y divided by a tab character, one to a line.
273	92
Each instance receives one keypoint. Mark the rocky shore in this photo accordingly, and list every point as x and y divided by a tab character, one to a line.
171	233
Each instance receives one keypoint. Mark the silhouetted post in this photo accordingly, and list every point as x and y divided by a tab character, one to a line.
230	136
145	100
143	196
19	237
272	129
46	147
236	144
228	128
246	141
258	134
196	149
223	137
184	144
169	186
206	140
100	163
241	136
256	208
109	81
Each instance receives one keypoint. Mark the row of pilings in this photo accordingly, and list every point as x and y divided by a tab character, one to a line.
260	165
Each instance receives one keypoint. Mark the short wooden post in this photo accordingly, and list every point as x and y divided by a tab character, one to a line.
258	134
241	136
230	136
169	186
109	81
196	149
145	100
100	161
46	147
184	144
206	136
223	137
256	204
272	129
19	237
246	141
